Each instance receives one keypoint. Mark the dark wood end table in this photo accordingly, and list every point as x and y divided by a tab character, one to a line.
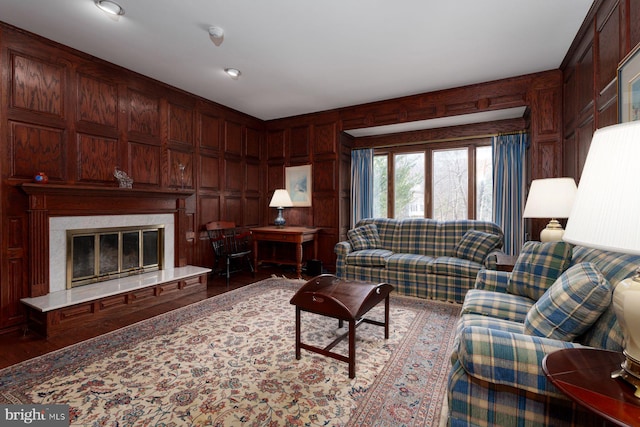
287	234
584	374
345	300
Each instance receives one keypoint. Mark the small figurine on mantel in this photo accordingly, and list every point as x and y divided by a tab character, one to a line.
123	179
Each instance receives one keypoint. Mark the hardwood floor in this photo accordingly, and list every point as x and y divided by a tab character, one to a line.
20	345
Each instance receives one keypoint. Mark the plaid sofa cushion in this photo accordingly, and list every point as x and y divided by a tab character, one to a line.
409	262
497	305
415	236
369	257
386	230
450	233
571	305
450	266
475	245
364	237
537	268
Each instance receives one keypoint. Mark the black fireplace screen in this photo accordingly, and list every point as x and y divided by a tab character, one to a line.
104	254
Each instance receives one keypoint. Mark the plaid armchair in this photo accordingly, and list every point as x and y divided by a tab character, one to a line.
496	378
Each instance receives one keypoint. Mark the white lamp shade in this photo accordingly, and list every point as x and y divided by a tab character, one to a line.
606	209
550	198
281	199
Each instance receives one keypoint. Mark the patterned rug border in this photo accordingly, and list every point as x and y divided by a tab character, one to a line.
366	413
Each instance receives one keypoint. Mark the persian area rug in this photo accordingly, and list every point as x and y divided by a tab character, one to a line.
230	360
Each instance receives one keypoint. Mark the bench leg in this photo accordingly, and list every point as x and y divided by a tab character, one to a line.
297	333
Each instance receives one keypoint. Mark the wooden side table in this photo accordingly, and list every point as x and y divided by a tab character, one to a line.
505	262
293	235
584	374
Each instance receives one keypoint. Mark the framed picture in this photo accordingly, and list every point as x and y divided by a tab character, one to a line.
629	87
298	183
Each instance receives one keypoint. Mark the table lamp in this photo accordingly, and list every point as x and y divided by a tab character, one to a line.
550	198
280	200
605	215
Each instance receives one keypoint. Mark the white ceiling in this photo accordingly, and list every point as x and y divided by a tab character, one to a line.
303	56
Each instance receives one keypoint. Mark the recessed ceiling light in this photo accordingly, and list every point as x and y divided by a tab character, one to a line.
234	73
109	6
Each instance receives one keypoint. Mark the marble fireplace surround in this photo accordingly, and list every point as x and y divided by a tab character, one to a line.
58	227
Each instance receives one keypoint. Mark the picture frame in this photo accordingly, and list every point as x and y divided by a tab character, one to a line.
298	184
629	87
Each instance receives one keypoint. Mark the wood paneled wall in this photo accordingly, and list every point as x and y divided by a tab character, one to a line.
76	118
610	32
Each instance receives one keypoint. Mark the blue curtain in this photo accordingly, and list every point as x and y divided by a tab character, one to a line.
509	187
361	185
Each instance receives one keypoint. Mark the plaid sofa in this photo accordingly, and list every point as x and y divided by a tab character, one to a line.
421	257
496	378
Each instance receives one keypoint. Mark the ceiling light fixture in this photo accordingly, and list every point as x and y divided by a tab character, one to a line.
234	73
216	32
110	7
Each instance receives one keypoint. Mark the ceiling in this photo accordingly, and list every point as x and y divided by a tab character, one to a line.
303	56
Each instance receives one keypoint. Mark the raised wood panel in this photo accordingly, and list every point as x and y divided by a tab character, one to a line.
570	156
549	103
275	178
97	158
232	209
634	22
275	145
548	160
233	138
608	48
299	142
570	99
180	169
13	311
144	114
585	82
37	149
584	136
209	208
180	124
252	211
145	163
324	176
233	175
209	131
97	101
254	141
324	212
325	136
209	172
37	86
253	177
326	242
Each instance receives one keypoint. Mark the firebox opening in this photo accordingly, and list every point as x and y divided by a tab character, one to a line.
96	255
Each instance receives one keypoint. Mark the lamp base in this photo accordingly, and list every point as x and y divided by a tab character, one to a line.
630	372
280	221
552	233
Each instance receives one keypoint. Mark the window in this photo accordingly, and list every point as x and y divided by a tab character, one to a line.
444	181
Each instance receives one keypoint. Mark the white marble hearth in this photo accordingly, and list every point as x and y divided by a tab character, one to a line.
66	298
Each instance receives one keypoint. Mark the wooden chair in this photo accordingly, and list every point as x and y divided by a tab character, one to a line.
228	244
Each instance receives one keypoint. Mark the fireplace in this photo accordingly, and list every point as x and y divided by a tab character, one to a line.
99	254
119	233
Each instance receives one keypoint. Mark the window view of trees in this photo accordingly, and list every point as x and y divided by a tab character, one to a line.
484	183
450	184
409	185
380	185
401	178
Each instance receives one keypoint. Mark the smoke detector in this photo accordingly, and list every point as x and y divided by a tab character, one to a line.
216	32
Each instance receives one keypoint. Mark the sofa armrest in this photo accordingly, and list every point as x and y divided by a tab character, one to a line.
508	358
491	260
342	248
492	280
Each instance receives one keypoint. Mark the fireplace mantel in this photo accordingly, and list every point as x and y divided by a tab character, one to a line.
48	200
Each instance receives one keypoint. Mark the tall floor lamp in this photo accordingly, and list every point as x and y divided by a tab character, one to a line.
606	215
